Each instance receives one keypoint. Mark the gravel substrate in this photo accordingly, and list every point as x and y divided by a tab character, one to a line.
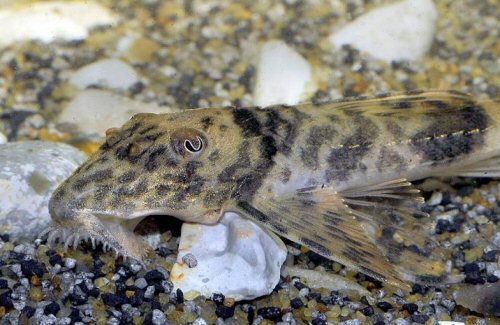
52	287
202	54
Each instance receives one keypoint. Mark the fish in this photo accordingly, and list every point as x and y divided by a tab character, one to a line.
335	177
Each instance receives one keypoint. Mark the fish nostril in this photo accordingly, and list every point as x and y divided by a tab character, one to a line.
112	136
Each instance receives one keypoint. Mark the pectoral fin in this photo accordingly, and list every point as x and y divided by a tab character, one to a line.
375	230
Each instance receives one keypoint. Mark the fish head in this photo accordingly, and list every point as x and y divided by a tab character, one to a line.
155	164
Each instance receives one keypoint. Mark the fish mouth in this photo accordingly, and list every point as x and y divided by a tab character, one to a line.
110	232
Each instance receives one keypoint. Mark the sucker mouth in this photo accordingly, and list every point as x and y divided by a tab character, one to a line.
69	238
74	237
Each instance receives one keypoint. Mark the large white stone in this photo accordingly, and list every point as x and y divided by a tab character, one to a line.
400	31
283	76
29	173
52	20
93	111
234	257
111	73
3	138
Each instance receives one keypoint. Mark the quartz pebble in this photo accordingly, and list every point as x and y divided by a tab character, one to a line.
3	138
111	73
435	198
29	172
93	111
243	263
283	76
377	33
52	20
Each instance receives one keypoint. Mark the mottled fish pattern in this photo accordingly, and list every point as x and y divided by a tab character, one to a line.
334	177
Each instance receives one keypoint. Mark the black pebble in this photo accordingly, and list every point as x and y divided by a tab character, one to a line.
380	322
419	318
5	237
31	267
411	308
465	191
155	304
159	288
442	226
473	274
296	303
492	278
77	299
148	320
28	311
271	313
52	308
218	298
5	300
251	315
367	311
137	298
299	285
364	301
224	312
384	305
318	321
153	277
490	256
314	296
120	286
112	300
3	284
180	296
55	259
94	292
446	198
417	288
75	315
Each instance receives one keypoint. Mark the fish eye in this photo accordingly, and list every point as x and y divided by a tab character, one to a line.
188	142
193	146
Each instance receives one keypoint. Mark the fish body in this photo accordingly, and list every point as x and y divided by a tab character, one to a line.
335	177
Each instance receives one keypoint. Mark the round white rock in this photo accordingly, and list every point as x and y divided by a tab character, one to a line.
400	31
111	73
52	20
29	173
93	111
283	76
234	257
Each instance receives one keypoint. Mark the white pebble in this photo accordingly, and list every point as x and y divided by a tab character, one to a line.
93	111
435	198
400	31
111	73
69	262
52	20
199	321
159	317
496	240
3	138
283	76
303	292
235	257
29	172
190	260
141	283
150	291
